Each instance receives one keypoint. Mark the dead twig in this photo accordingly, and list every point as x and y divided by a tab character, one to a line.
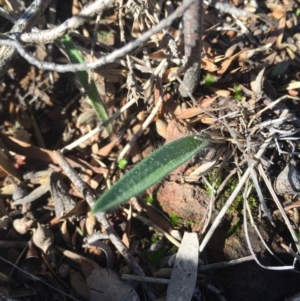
5	40
27	21
116	241
50	35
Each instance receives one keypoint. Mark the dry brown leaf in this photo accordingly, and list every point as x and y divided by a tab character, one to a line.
90	224
270	59
166	78
41	52
113	75
95	181
137	27
157	55
171	106
219	92
224	93
64	232
108	20
291	52
161	128
293	93
206	102
234	70
79	209
224	66
76	7
78	258
106	150
7	166
207	119
41	154
125	236
230	51
278	11
257	84
189	113
208	65
280	31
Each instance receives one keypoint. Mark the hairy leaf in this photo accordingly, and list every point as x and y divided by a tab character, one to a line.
151	170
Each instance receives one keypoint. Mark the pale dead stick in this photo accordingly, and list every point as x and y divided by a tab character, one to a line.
232	197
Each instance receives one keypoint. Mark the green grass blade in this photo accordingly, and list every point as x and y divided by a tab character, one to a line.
150	171
83	76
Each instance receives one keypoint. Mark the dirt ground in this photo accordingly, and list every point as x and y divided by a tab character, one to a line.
246	101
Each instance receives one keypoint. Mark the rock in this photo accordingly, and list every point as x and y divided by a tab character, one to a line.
184	200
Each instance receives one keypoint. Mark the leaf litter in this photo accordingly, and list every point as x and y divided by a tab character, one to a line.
246	100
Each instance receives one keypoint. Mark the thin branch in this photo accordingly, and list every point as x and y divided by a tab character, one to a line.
49	35
99	128
145	279
26	22
102	61
85	190
32	276
232	197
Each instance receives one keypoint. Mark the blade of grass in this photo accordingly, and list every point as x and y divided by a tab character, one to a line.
89	86
151	170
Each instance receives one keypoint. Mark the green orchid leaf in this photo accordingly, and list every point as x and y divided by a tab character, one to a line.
150	171
89	86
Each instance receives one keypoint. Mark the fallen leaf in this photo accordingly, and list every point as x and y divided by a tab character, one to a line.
280	31
7	166
78	258
106	150
257	84
208	65
184	273
43	237
167	76
157	55
219	92
189	113
79	209
224	66
207	119
79	284
64	232
161	128
106	284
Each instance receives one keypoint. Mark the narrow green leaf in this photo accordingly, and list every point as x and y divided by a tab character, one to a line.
150	171
83	76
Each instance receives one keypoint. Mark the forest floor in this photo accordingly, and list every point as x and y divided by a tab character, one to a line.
246	101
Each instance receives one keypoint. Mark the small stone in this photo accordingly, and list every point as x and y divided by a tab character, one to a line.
43	237
187	201
288	181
